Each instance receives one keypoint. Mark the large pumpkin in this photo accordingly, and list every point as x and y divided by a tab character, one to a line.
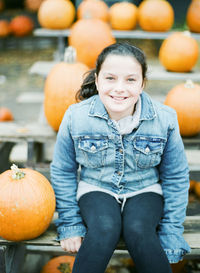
93	9
56	14
179	52
123	16
61	86
60	264
89	37
21	25
193	16
185	99
155	15
27	204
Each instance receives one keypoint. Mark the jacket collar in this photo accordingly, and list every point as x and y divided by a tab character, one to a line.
97	108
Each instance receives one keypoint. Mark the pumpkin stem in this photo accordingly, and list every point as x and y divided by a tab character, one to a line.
70	55
189	84
17	173
187	33
64	268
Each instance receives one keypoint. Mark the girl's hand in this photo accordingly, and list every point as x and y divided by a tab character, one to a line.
71	245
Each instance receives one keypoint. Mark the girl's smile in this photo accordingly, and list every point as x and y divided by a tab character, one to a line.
119	84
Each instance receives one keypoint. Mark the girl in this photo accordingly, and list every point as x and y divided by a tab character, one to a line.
133	180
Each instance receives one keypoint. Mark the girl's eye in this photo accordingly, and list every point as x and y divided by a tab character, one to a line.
131	79
109	78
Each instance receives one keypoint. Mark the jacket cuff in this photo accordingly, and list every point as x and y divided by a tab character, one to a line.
71	231
174	246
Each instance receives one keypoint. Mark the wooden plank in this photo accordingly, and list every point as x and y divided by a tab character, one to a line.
156	72
123	34
42	68
15	132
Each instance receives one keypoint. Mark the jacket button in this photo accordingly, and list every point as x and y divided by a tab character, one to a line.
118	173
93	148
121	151
147	150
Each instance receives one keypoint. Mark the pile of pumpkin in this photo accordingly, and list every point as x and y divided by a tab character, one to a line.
150	15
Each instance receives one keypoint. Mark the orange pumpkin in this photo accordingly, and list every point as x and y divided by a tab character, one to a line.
155	15
179	267
193	16
179	52
27	203
185	99
61	86
2	5
197	188
21	25
5	114
60	264
4	28
89	37
123	15
33	5
192	185
57	14
93	9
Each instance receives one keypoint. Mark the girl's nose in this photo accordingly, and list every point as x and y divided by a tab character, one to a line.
119	86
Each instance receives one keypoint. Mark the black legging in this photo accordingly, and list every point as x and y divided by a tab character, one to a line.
105	223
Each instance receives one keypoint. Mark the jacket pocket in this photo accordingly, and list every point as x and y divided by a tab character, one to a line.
148	151
93	150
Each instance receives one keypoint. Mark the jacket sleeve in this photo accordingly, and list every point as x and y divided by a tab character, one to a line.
64	181
174	177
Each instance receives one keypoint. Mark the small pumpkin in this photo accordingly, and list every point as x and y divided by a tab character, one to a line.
59	264
61	86
123	15
93	9
5	114
193	16
155	15
57	14
4	28
32	5
27	203
179	267
179	52
89	37
192	185
21	25
185	99
2	5
197	188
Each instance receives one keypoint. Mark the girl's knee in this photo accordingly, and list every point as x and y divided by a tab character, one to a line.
138	230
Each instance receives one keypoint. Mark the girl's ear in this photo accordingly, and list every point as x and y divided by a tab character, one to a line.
95	75
143	83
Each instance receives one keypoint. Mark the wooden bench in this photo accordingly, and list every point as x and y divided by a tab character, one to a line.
120	34
12	254
34	134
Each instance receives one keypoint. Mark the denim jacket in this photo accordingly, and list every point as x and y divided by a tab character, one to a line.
151	153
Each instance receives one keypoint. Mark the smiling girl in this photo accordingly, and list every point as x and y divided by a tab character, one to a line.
133	174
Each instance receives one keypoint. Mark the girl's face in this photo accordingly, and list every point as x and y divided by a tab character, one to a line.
119	84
